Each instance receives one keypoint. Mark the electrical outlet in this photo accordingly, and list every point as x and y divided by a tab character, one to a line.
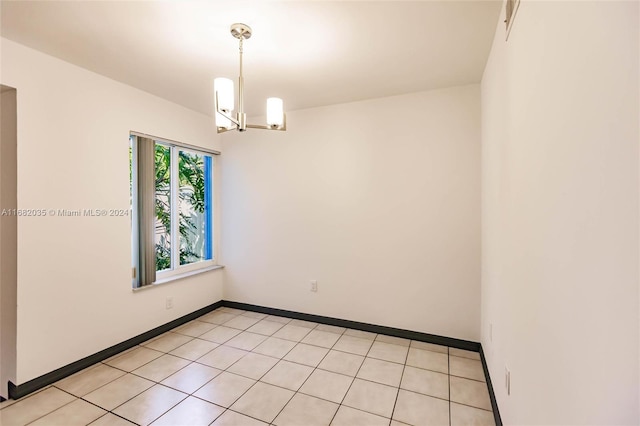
507	380
314	286
169	303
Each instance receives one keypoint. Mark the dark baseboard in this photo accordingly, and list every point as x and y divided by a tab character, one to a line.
372	328
2	399
492	396
18	391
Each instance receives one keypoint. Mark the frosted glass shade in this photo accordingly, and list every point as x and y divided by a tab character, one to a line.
224	88
275	112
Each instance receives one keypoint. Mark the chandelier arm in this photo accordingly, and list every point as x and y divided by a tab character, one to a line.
265	127
224	129
227	116
282	127
225	113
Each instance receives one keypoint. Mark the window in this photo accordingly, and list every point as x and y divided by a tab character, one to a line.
172	203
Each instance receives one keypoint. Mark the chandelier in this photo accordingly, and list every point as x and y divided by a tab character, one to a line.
225	103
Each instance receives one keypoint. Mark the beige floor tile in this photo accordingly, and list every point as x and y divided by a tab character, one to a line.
465	367
222	357
246	341
217	317
462	415
167	342
379	371
388	352
324	339
256	315
327	385
360	334
78	413
150	404
233	311
416	409
341	362
393	340
301	323
134	359
292	332
191	378
231	418
464	354
220	334
428	360
371	397
111	420
195	328
306	354
275	347
32	407
354	345
429	347
6	403
253	365
194	349
287	375
347	416
118	392
263	401
190	412
89	379
119	354
281	320
306	410
469	392
241	322
330	328
426	382
265	327
161	368
224	389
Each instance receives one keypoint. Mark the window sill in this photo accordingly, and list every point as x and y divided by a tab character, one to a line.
179	277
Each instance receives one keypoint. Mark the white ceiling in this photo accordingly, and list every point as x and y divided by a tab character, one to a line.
310	53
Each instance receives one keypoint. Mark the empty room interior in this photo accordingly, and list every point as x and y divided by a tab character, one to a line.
320	212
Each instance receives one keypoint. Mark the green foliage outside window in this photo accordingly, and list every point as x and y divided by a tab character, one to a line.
191	206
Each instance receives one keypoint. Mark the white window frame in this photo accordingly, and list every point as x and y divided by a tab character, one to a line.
176	270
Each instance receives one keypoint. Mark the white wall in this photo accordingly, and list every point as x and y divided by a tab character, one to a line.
8	239
377	200
560	214
74	273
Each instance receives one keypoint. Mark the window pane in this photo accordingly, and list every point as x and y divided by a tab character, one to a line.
163	207
194	213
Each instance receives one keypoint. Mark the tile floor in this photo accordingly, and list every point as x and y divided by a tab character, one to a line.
232	367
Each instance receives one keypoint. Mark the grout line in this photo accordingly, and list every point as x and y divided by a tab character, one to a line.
406	358
63	405
314	370
257	381
449	383
354	380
